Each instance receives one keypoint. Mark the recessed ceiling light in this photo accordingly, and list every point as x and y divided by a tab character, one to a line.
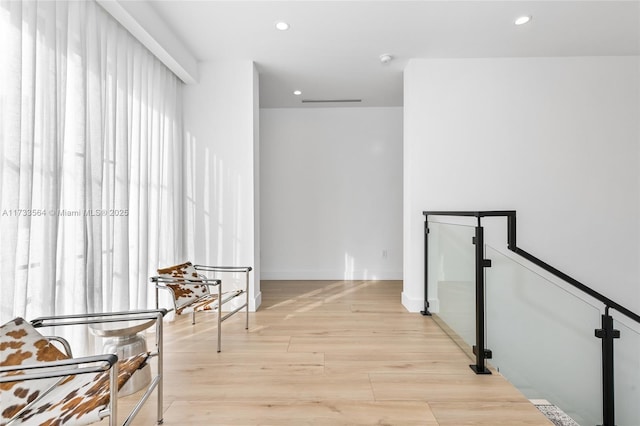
522	20
385	58
297	92
282	26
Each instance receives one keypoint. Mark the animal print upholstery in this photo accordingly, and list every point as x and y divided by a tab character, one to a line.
78	400
186	294
71	400
206	303
21	344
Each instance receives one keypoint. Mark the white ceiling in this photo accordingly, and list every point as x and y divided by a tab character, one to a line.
332	49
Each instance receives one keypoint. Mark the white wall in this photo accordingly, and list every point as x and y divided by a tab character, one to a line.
556	139
220	142
257	270
331	191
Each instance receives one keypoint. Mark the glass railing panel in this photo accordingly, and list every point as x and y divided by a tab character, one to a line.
542	338
626	355
451	276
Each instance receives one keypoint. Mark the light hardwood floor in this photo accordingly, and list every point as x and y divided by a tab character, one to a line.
328	353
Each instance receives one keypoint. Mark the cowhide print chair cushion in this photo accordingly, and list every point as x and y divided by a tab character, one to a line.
78	400
189	295
22	344
70	400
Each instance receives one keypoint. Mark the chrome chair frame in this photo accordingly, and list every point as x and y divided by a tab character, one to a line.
96	363
160	282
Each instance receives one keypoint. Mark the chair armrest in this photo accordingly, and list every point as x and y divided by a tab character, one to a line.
161	282
223	268
98	317
102	363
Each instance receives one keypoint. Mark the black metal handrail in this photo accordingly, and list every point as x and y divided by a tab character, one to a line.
512	245
607	333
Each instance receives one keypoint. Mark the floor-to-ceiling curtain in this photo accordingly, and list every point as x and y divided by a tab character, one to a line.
91	162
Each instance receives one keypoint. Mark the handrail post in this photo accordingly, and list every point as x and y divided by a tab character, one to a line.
426	267
607	333
480	263
511	232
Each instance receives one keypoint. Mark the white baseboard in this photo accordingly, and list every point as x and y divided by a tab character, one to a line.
330	275
255	302
417	305
411	304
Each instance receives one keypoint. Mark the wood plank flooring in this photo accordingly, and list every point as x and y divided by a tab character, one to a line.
327	353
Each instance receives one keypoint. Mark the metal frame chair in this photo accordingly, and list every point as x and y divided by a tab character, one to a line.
187	278
104	385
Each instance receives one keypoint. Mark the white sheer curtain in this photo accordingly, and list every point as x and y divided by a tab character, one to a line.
91	166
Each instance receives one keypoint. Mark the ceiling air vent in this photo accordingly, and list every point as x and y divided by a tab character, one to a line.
320	101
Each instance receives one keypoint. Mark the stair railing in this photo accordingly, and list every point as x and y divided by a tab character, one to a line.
607	333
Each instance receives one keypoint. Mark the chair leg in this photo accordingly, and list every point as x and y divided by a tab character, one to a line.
193	317
246	326
219	317
160	388
113	395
